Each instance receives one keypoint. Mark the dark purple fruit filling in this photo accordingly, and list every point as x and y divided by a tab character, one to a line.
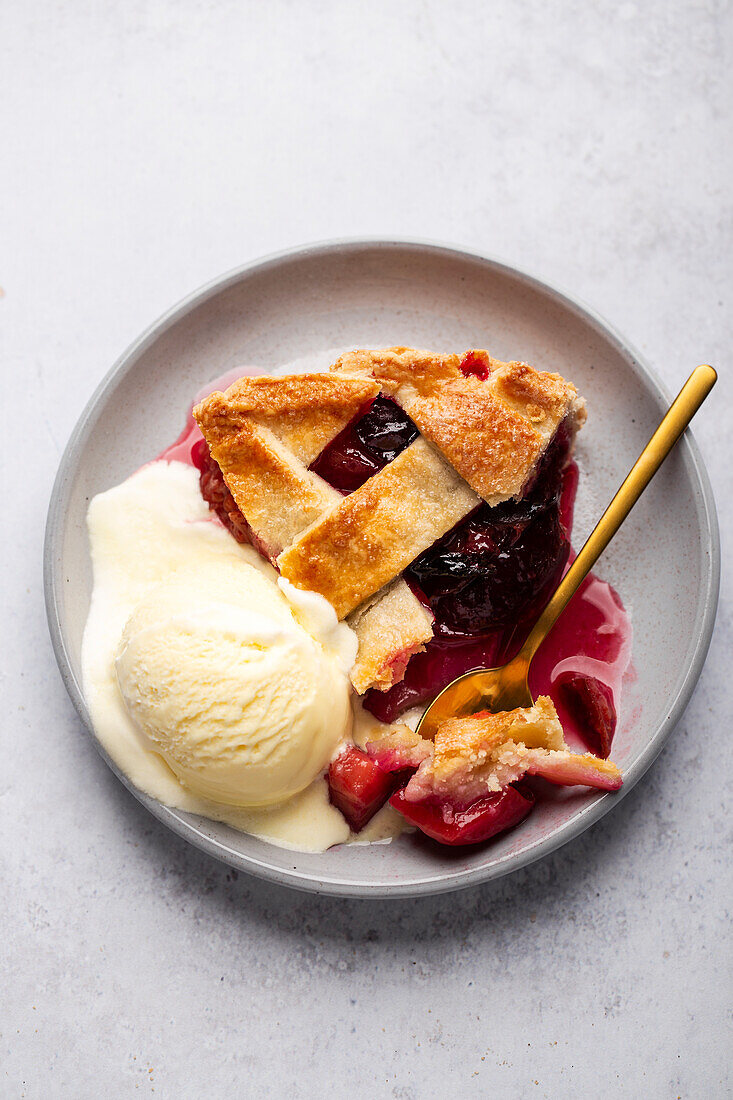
365	446
485	573
498	563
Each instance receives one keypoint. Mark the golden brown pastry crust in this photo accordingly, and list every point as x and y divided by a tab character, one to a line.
487	751
470	743
263	432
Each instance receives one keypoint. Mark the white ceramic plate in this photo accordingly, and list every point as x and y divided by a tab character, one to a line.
321	299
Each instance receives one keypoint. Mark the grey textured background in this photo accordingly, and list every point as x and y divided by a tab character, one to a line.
147	147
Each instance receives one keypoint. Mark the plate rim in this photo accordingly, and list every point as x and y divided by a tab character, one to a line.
448	882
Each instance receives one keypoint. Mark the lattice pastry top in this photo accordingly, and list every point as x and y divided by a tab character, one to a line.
484	425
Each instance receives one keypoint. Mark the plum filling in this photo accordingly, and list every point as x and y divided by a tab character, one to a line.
489	570
492	567
365	446
476	363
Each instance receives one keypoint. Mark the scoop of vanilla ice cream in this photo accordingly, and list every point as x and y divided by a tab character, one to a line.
244	705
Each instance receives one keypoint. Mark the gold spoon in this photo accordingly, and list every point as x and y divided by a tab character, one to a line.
505	688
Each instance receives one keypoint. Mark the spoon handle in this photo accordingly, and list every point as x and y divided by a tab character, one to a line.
680	413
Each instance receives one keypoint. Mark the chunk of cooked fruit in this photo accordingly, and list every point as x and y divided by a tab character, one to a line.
482	819
358	787
591	703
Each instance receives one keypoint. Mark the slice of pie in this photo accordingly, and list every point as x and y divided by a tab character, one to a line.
420	494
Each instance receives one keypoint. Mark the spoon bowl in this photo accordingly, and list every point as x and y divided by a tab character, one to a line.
494	689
